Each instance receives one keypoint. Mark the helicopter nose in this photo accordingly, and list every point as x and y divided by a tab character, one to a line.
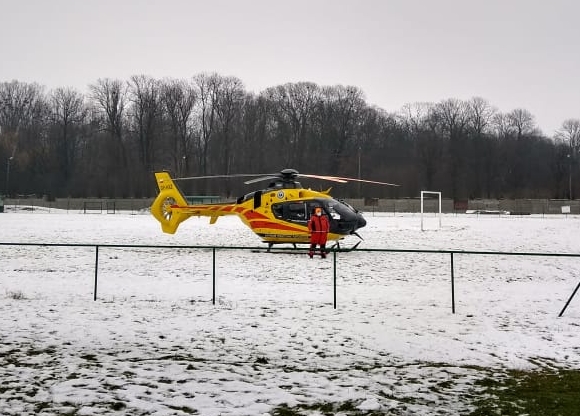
360	222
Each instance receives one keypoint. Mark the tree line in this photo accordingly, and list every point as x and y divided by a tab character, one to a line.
107	141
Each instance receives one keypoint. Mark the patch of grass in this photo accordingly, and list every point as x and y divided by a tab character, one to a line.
536	393
261	360
40	406
118	406
89	357
34	351
32	392
165	380
110	386
348	407
9	352
284	410
16	295
184	409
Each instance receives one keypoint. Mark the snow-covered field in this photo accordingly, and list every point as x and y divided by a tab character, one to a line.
153	342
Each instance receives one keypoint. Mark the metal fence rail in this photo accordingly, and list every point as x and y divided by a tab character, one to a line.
334	251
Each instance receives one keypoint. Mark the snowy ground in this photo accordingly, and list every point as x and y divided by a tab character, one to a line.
153	342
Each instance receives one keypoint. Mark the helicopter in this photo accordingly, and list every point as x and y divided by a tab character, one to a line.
278	214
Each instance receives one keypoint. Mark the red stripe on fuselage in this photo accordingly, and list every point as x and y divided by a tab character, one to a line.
253	215
274	226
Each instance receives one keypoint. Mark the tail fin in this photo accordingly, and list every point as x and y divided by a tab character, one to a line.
165	207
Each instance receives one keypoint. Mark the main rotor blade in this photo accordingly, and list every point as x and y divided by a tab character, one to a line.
364	180
326	178
235	175
263	178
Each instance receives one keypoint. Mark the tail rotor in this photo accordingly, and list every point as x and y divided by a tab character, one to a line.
166	207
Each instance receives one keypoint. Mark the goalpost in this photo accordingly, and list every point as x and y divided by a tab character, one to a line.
92	207
422	197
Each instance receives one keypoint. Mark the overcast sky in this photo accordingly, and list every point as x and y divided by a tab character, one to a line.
514	53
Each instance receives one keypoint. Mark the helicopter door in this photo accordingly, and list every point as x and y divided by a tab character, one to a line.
257	199
295	212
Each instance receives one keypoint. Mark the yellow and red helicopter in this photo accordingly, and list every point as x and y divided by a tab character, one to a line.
277	214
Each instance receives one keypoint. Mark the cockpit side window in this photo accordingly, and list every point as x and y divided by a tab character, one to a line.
334	214
296	211
290	211
278	211
340	209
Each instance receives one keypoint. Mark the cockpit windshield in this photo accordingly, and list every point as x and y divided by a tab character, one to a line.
339	209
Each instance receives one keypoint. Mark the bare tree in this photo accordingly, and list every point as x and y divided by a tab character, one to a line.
414	115
569	134
452	116
522	121
145	114
501	125
23	113
208	86
110	97
293	106
179	99
421	122
20	104
516	153
230	99
68	116
342	110
479	115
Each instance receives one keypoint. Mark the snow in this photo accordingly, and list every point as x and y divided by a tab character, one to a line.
154	343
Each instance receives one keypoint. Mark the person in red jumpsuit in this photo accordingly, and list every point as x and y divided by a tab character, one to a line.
318	227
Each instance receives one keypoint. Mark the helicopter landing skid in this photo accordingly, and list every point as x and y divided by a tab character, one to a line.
305	250
336	247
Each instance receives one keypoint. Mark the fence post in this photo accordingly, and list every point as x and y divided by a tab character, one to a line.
452	286
213	276
569	300
96	270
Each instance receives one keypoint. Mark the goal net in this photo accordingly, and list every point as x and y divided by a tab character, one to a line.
430	204
92	207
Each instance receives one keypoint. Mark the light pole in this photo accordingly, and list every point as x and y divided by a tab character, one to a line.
359	187
8	172
569	176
